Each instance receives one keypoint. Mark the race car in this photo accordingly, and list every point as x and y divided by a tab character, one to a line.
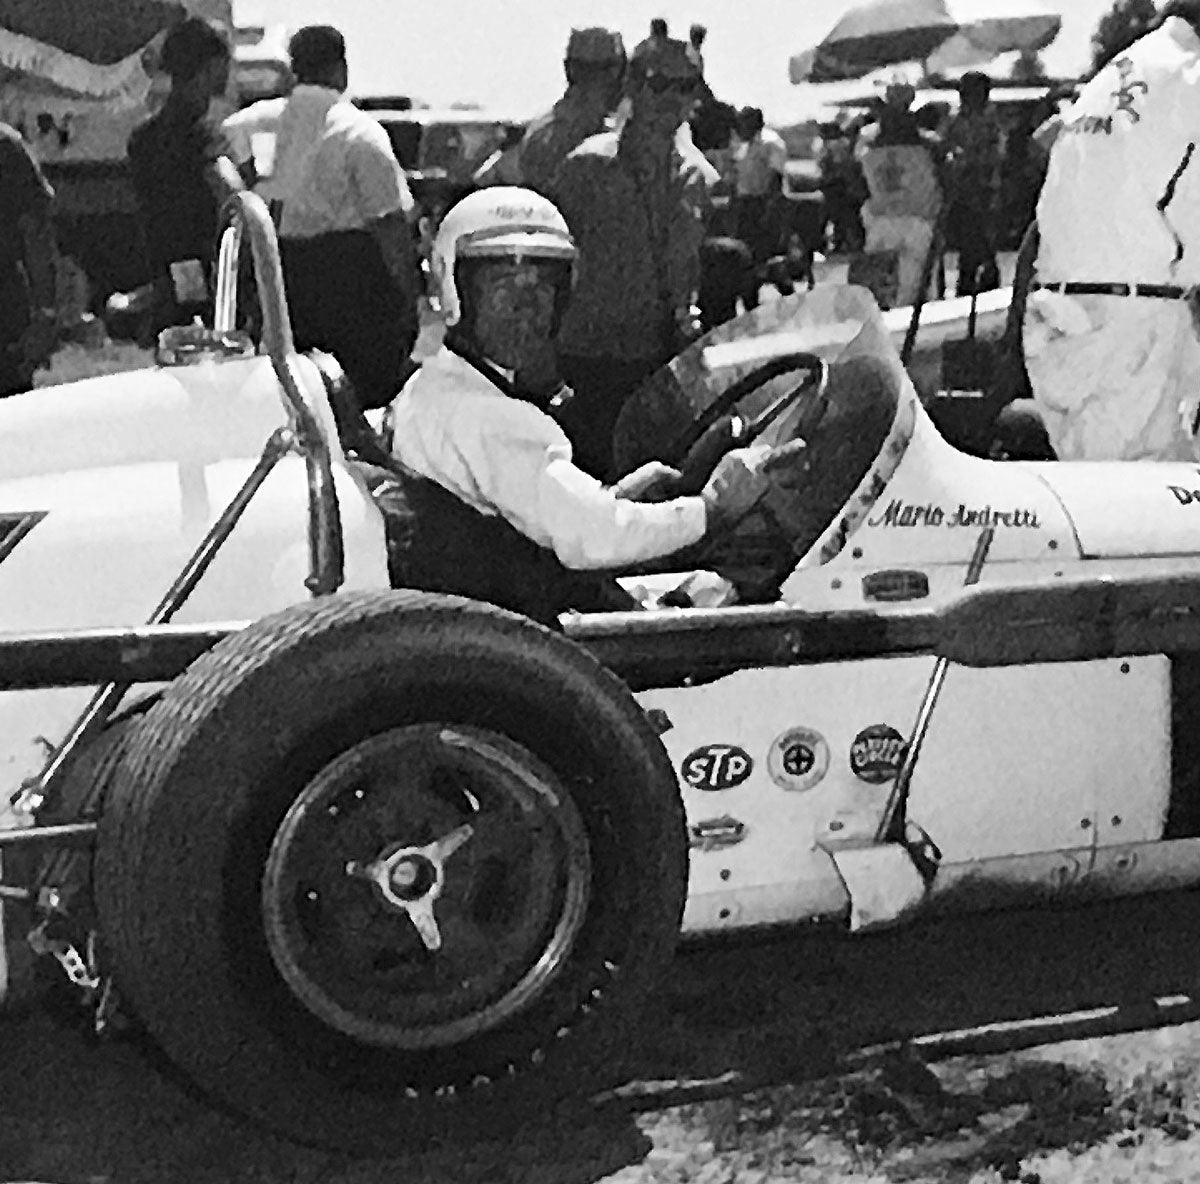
377	866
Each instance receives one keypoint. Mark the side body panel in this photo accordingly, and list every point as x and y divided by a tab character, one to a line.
130	472
1017	761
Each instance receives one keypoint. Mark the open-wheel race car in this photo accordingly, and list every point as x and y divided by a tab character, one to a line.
376	865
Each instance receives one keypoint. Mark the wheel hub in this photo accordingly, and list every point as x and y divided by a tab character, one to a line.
426	885
413	876
410	879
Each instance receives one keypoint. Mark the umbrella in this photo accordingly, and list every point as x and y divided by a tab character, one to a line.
989	28
941	33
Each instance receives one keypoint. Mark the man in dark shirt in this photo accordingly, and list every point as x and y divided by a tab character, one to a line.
636	209
594	65
973	144
27	313
174	164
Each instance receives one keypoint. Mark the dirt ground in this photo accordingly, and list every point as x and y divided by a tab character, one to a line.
962	1051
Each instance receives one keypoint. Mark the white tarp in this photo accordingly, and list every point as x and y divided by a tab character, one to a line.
64	89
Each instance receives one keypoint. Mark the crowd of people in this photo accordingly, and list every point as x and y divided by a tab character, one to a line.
675	207
896	178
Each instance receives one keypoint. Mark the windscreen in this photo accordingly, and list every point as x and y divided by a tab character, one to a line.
854	443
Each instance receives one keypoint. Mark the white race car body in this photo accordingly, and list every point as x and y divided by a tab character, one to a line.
1039	779
117	479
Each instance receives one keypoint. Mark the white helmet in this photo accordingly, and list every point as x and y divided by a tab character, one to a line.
499	222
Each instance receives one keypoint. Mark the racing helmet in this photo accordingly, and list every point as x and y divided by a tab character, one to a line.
499	222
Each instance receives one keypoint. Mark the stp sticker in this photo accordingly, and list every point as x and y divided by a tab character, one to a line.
877	753
716	766
798	759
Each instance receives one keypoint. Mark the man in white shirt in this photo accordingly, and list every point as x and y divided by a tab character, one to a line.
1110	348
342	207
759	163
904	194
503	261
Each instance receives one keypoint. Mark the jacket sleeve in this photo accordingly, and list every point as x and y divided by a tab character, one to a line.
522	466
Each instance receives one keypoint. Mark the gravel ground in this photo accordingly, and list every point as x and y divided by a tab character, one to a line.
790	1057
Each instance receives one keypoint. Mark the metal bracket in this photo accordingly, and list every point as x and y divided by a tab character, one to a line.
715	834
77	968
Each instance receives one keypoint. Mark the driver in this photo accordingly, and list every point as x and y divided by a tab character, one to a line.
468	421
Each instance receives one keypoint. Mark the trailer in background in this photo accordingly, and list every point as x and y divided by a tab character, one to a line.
76	77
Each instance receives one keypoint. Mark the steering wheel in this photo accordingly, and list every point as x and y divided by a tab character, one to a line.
717	430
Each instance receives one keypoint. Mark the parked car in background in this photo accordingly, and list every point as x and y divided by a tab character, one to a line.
260	64
440	150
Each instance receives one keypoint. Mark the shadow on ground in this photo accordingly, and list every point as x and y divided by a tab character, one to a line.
824	1016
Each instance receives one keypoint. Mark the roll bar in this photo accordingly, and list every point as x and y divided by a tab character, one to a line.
244	215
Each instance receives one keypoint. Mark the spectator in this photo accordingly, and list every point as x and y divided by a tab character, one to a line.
175	166
843	189
972	144
759	163
697	35
342	206
1022	170
636	209
655	42
696	38
27	256
1110	346
904	194
727	276
595	66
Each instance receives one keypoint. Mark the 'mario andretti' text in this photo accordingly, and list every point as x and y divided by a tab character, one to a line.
901	513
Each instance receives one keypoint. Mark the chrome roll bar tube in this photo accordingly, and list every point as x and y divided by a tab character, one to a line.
244	215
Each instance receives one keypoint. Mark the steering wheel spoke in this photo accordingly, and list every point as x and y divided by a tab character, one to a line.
719	428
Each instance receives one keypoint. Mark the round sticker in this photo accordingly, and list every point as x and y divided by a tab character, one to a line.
798	759
877	754
716	766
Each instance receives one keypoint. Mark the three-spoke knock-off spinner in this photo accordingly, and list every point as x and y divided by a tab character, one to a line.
411	878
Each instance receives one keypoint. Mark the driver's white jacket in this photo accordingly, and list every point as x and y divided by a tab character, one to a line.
505	456
1118	377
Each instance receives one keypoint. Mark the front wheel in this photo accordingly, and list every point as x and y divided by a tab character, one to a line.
386	867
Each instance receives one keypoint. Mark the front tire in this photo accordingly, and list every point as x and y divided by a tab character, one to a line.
387	867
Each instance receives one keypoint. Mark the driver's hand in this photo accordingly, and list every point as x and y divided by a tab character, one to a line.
652	482
740	480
